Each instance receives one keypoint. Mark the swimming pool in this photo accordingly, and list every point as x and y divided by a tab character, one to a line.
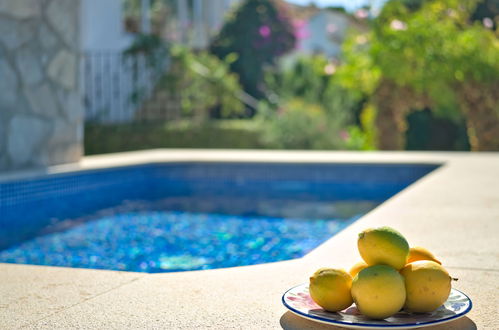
188	216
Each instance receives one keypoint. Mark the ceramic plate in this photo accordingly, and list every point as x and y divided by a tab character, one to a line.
298	301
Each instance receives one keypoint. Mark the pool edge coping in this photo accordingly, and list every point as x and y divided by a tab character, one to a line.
448	161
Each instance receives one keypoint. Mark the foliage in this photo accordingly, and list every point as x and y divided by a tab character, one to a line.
159	12
433	60
133	7
186	134
484	9
309	95
259	32
152	47
145	44
358	71
203	81
312	79
363	137
299	125
150	50
430	54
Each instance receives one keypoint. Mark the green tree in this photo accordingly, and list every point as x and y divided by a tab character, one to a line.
435	56
259	31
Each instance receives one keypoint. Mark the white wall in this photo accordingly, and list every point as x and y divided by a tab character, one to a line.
207	19
102	26
107	81
327	32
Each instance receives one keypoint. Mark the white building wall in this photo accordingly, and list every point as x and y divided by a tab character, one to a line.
102	26
327	30
107	78
207	19
200	33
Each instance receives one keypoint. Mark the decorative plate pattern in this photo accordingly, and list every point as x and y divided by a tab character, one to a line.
298	301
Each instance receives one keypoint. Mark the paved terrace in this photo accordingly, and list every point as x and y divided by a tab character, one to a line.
453	211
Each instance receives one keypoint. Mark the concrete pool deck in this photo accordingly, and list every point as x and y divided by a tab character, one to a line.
453	211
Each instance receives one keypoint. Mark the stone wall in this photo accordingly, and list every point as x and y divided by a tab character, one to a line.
41	118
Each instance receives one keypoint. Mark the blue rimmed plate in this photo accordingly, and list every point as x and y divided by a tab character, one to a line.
298	301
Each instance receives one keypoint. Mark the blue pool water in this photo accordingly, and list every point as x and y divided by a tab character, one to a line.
163	241
189	216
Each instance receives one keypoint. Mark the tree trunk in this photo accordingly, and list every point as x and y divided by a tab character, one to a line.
393	103
481	107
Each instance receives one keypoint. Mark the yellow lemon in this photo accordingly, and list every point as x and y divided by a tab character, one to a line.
427	285
420	253
330	289
357	268
378	291
384	246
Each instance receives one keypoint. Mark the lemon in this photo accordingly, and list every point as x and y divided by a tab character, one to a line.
357	268
384	246
330	289
427	285
420	253
378	291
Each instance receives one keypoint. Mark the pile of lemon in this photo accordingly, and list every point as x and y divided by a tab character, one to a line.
391	277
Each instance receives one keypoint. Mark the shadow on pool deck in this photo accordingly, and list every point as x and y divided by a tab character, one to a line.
290	321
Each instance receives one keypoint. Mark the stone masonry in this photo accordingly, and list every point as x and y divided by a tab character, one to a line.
41	116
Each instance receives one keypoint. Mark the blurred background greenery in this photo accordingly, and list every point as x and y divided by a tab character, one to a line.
410	75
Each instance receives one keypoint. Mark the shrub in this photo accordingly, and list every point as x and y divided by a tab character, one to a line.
312	79
299	125
363	137
305	96
185	134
